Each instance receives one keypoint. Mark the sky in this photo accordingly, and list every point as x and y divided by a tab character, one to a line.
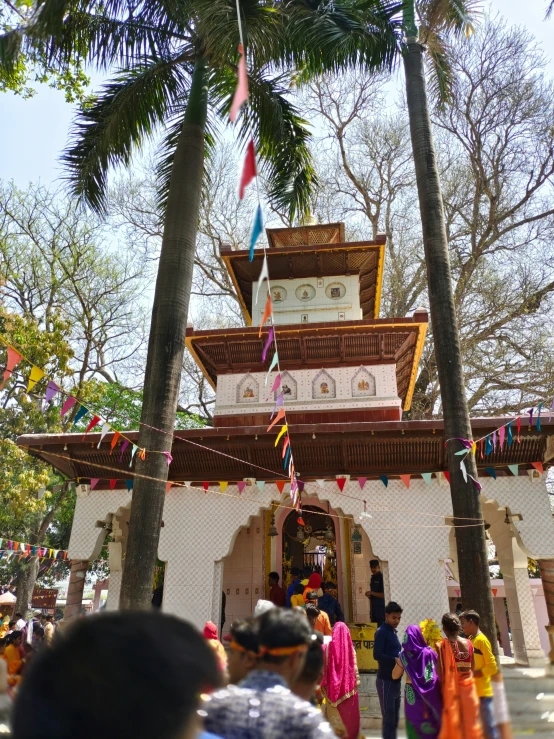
34	132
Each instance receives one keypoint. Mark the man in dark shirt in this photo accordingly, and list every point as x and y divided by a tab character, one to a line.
385	650
330	604
276	593
376	594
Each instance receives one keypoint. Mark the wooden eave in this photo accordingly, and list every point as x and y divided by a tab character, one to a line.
356	449
333	344
364	258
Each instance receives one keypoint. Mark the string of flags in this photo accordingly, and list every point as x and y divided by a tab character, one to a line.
12	548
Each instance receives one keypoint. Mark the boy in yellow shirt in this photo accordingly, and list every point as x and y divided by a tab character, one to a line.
485	667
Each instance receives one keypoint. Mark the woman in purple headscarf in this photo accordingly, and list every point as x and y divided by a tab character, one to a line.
422	697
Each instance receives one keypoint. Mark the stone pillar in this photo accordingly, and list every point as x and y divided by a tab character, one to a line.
75	589
546	567
116	556
500	615
114	591
523	620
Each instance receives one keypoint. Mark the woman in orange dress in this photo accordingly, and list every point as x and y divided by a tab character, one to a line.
460	713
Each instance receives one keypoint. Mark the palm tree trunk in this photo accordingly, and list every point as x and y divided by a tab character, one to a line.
166	347
471	543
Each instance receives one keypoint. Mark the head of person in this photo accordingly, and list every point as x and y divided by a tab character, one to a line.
262	606
147	689
311	676
311	596
451	625
298	588
38	632
18	616
49	618
470	622
210	630
330	588
243	649
273	578
14	638
312	612
11	626
314	581
295	573
284	636
393	614
374	566
306	572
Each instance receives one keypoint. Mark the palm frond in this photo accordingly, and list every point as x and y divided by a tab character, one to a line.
10	49
449	16
126	112
441	78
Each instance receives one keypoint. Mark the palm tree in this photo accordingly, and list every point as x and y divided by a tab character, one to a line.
176	72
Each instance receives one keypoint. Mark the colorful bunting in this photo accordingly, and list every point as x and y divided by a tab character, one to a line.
257	228
385	480
285	446
248	169
538	466
283	430
51	390
114	441
509	434
241	485
491	471
168	486
268	310
280	486
67	405
205	485
488	446
405	479
494	440
123	447
538	424
278	417
287	457
447	476
94	482
514	469
271	366
276	382
129	485
361	482
427	477
104	430
133	452
14	358
223	485
260	484
501	434
241	93
36	376
83	410
268	343
463	469
341	482
168	457
113	483
264	275
92	423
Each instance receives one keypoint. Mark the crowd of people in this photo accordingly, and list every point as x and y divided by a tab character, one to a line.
20	640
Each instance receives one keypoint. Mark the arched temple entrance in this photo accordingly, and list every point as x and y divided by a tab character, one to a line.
308	542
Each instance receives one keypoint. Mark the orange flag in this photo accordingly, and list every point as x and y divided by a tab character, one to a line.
114	440
406	480
267	312
278	417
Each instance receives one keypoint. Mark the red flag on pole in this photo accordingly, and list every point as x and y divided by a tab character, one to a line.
248	170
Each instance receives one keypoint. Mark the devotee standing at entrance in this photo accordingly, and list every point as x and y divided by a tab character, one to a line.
330	604
210	634
295	573
276	593
460	713
262	706
319	620
297	598
376	594
386	649
314	583
243	649
485	667
340	684
145	671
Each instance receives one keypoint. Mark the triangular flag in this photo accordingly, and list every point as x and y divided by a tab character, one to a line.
104	430
113	483
51	390
257	228
36	376
278	417
264	275
519	430
287	455
321	483
447	476
405	479
491	471
538	424
464	471
260	485
531	416
223	485
241	93
276	384
205	485
83	410
92	423
285	447
301	484
67	405
494	440
268	343
280	486
514	469
361	482
248	169
341	482
14	358
133	452
94	482
241	485
385	480
281	432
114	441
510	435
267	312
488	446
123	447
271	366
501	434
129	485
427	477
188	483
168	487
538	466
278	401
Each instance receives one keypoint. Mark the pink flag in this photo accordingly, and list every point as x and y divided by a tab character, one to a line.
241	484
267	343
276	383
501	434
13	359
241	93
67	405
94	482
362	481
248	170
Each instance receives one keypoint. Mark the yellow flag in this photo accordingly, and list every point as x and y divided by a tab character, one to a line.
223	486
36	375
281	432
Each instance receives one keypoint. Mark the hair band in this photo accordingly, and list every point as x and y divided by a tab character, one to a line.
283	651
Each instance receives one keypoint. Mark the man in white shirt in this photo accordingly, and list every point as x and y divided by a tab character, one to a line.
20	622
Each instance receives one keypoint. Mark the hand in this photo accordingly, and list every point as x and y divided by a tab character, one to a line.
368	594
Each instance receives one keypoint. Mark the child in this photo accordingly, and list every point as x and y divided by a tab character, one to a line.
297	599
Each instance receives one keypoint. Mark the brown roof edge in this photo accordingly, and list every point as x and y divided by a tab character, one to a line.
408	427
228	251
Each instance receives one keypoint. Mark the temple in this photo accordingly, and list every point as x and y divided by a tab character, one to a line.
348	377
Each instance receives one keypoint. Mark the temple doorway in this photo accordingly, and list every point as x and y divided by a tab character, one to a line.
309	542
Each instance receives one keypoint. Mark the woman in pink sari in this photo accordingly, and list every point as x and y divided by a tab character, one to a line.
340	684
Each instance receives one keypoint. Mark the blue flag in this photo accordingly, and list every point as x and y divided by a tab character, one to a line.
257	228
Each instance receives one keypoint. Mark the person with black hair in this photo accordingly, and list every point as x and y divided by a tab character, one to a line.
261	706
243	649
307	682
330	604
376	594
146	670
297	599
485	668
276	593
386	650
295	573
318	619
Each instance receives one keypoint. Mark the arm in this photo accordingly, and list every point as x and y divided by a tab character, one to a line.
379	646
376	595
490	667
